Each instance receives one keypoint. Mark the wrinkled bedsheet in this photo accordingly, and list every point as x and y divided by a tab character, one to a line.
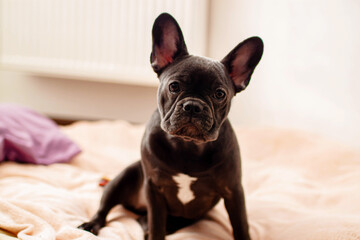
298	186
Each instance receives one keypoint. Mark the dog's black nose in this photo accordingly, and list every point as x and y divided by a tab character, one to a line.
193	107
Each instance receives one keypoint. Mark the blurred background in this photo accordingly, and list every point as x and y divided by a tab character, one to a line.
89	59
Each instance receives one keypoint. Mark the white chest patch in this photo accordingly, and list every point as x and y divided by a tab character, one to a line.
184	182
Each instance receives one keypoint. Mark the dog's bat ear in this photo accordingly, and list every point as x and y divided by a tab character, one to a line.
242	60
168	42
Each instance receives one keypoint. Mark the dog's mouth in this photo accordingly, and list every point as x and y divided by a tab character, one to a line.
190	132
191	129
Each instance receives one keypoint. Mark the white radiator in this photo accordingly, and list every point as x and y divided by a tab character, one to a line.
99	40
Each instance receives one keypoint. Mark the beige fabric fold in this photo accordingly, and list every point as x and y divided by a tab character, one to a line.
298	186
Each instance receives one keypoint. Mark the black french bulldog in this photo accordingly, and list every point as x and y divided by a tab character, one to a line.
190	157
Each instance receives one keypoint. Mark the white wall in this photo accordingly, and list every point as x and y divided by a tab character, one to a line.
309	77
75	99
105	41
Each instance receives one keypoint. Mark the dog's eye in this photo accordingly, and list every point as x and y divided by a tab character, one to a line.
174	87
219	94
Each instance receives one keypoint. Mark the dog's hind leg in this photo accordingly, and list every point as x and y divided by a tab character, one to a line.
124	189
173	224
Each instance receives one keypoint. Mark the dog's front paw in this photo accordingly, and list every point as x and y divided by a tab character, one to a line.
92	226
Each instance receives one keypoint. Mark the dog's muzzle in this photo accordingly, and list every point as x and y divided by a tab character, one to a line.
191	119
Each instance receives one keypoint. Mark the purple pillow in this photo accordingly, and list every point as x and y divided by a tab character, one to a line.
26	136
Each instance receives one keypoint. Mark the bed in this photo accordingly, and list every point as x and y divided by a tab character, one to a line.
298	186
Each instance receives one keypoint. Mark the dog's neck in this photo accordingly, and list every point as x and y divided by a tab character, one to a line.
180	143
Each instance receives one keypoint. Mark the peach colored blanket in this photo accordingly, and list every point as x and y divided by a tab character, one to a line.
298	186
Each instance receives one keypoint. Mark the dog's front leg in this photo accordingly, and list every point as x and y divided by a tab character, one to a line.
235	206
157	212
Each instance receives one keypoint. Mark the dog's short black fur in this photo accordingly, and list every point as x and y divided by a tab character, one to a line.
188	138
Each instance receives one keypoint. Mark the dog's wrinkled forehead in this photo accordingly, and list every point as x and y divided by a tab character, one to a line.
197	70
